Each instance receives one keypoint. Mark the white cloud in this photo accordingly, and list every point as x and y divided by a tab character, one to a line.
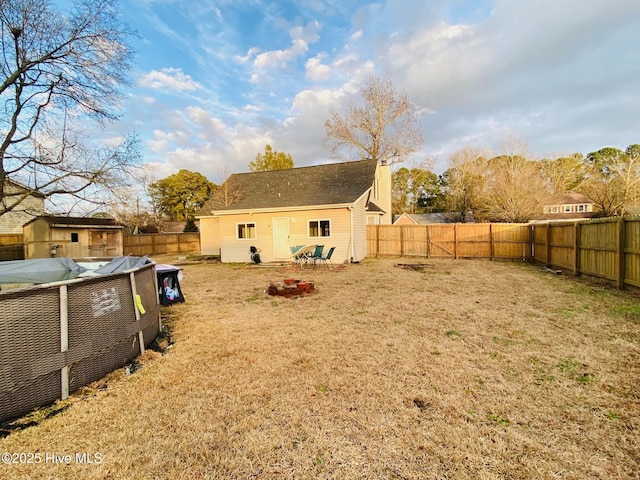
316	70
301	37
253	51
564	75
169	79
279	57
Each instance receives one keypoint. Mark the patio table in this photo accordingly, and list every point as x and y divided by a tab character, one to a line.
302	256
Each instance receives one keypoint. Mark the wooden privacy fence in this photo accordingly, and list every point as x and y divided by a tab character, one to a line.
161	243
457	240
11	247
607	248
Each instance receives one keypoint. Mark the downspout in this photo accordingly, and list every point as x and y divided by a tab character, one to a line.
353	244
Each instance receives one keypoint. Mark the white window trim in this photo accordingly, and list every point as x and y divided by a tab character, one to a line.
255	230
319	229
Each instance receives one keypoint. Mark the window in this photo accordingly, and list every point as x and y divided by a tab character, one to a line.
74	237
246	230
554	209
319	228
581	208
567	208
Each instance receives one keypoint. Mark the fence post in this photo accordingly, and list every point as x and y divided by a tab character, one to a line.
401	241
492	247
576	249
428	241
455	241
548	245
377	240
620	253
64	340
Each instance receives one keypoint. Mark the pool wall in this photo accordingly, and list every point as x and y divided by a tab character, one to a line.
59	337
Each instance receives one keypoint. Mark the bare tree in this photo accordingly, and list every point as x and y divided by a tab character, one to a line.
227	191
504	188
466	179
385	128
612	179
516	190
564	173
56	71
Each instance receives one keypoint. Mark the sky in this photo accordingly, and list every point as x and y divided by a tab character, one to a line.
213	82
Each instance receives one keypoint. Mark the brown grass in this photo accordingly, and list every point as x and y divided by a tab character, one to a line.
463	369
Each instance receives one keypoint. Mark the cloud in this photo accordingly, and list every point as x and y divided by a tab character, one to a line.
170	79
317	71
301	37
563	75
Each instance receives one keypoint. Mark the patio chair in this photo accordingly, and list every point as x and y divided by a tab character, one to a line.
327	258
317	254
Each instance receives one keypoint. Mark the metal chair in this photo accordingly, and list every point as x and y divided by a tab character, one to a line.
317	255
327	258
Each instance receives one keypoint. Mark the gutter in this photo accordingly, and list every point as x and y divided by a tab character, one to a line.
331	206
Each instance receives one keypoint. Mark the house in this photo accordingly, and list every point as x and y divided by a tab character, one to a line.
32	206
568	206
326	205
73	237
427	218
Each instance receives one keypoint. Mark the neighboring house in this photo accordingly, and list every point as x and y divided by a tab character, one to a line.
73	237
568	206
326	205
29	208
426	218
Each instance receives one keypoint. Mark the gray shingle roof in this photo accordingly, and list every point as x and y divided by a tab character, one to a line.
69	221
443	217
330	184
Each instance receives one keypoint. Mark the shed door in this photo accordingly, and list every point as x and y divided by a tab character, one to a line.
281	238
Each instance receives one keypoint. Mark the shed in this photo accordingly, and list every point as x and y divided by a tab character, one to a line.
73	237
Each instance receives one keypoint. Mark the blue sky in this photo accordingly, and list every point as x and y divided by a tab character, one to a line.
214	81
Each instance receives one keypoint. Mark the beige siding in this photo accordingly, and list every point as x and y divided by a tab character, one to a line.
237	250
404	220
12	222
382	193
40	237
359	213
210	236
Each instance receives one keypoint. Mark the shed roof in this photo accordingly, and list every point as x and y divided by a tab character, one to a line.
441	217
571	198
77	221
329	184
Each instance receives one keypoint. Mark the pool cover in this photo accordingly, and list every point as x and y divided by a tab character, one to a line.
47	270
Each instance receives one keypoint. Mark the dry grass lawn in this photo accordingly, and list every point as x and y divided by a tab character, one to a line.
464	370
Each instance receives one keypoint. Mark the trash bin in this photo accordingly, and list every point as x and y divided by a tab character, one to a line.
169	290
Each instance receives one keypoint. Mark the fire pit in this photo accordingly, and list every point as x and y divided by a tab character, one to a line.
291	287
